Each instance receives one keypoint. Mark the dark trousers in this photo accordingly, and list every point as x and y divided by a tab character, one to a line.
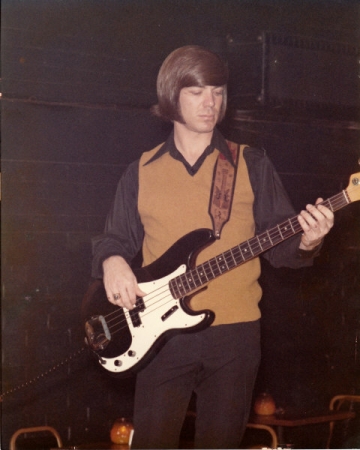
220	365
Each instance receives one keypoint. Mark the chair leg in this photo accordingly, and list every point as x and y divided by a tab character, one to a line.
270	430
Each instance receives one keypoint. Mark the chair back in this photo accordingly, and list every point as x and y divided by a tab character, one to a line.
335	404
34	430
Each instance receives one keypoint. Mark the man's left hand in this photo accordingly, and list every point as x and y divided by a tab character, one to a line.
316	222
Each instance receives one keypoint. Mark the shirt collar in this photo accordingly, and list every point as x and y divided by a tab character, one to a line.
217	142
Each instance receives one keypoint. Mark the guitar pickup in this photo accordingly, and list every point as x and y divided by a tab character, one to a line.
134	313
169	313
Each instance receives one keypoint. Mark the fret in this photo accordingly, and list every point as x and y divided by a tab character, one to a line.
228	259
288	229
329	205
259	243
291	225
344	200
279	229
209	266
247	250
174	289
244	248
218	268
255	246
249	247
347	199
213	267
232	260
338	201
209	272
221	263
265	241
190	280
184	281
276	235
238	256
202	274
285	230
197	280
178	287
241	255
216	265
295	225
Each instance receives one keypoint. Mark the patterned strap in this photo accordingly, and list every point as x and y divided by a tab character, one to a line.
222	190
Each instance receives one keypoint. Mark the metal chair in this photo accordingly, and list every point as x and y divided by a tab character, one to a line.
34	430
270	430
335	404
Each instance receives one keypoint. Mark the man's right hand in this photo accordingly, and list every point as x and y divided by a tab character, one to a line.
120	282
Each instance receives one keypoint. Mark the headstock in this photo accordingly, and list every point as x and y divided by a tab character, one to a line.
353	189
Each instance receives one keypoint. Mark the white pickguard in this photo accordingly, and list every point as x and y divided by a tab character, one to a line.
159	302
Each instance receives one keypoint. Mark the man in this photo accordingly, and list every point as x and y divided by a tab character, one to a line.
162	197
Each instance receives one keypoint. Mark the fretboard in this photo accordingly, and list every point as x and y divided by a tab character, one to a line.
199	276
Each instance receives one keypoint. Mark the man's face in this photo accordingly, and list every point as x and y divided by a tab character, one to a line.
200	107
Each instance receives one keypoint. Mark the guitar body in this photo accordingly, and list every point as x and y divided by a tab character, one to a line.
125	341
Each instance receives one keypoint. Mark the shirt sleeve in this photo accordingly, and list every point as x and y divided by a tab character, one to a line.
123	234
272	206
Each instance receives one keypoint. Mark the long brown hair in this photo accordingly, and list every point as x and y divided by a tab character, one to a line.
188	66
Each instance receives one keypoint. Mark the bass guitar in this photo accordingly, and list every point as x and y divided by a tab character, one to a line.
124	340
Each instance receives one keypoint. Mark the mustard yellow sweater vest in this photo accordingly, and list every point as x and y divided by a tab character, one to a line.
172	203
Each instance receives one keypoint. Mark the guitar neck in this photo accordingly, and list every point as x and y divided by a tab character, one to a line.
199	276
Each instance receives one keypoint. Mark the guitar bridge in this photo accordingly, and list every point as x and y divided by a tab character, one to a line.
97	333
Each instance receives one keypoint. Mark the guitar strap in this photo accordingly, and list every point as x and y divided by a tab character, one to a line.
222	189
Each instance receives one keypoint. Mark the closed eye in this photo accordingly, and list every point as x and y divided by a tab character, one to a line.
196	91
219	92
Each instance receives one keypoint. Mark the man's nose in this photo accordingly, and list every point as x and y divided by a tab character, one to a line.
210	99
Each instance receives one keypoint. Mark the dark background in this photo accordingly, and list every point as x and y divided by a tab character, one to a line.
78	79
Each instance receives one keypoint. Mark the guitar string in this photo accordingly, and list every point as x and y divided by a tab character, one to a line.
235	253
213	263
156	296
209	269
159	298
228	253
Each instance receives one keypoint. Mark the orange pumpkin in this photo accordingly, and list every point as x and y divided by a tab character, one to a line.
120	431
264	405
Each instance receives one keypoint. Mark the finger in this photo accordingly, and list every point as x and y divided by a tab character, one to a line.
317	215
116	295
128	295
139	292
327	214
308	217
113	298
133	295
128	300
304	224
323	218
311	228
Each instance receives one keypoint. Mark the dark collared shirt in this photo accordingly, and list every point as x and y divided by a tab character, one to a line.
217	142
124	231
